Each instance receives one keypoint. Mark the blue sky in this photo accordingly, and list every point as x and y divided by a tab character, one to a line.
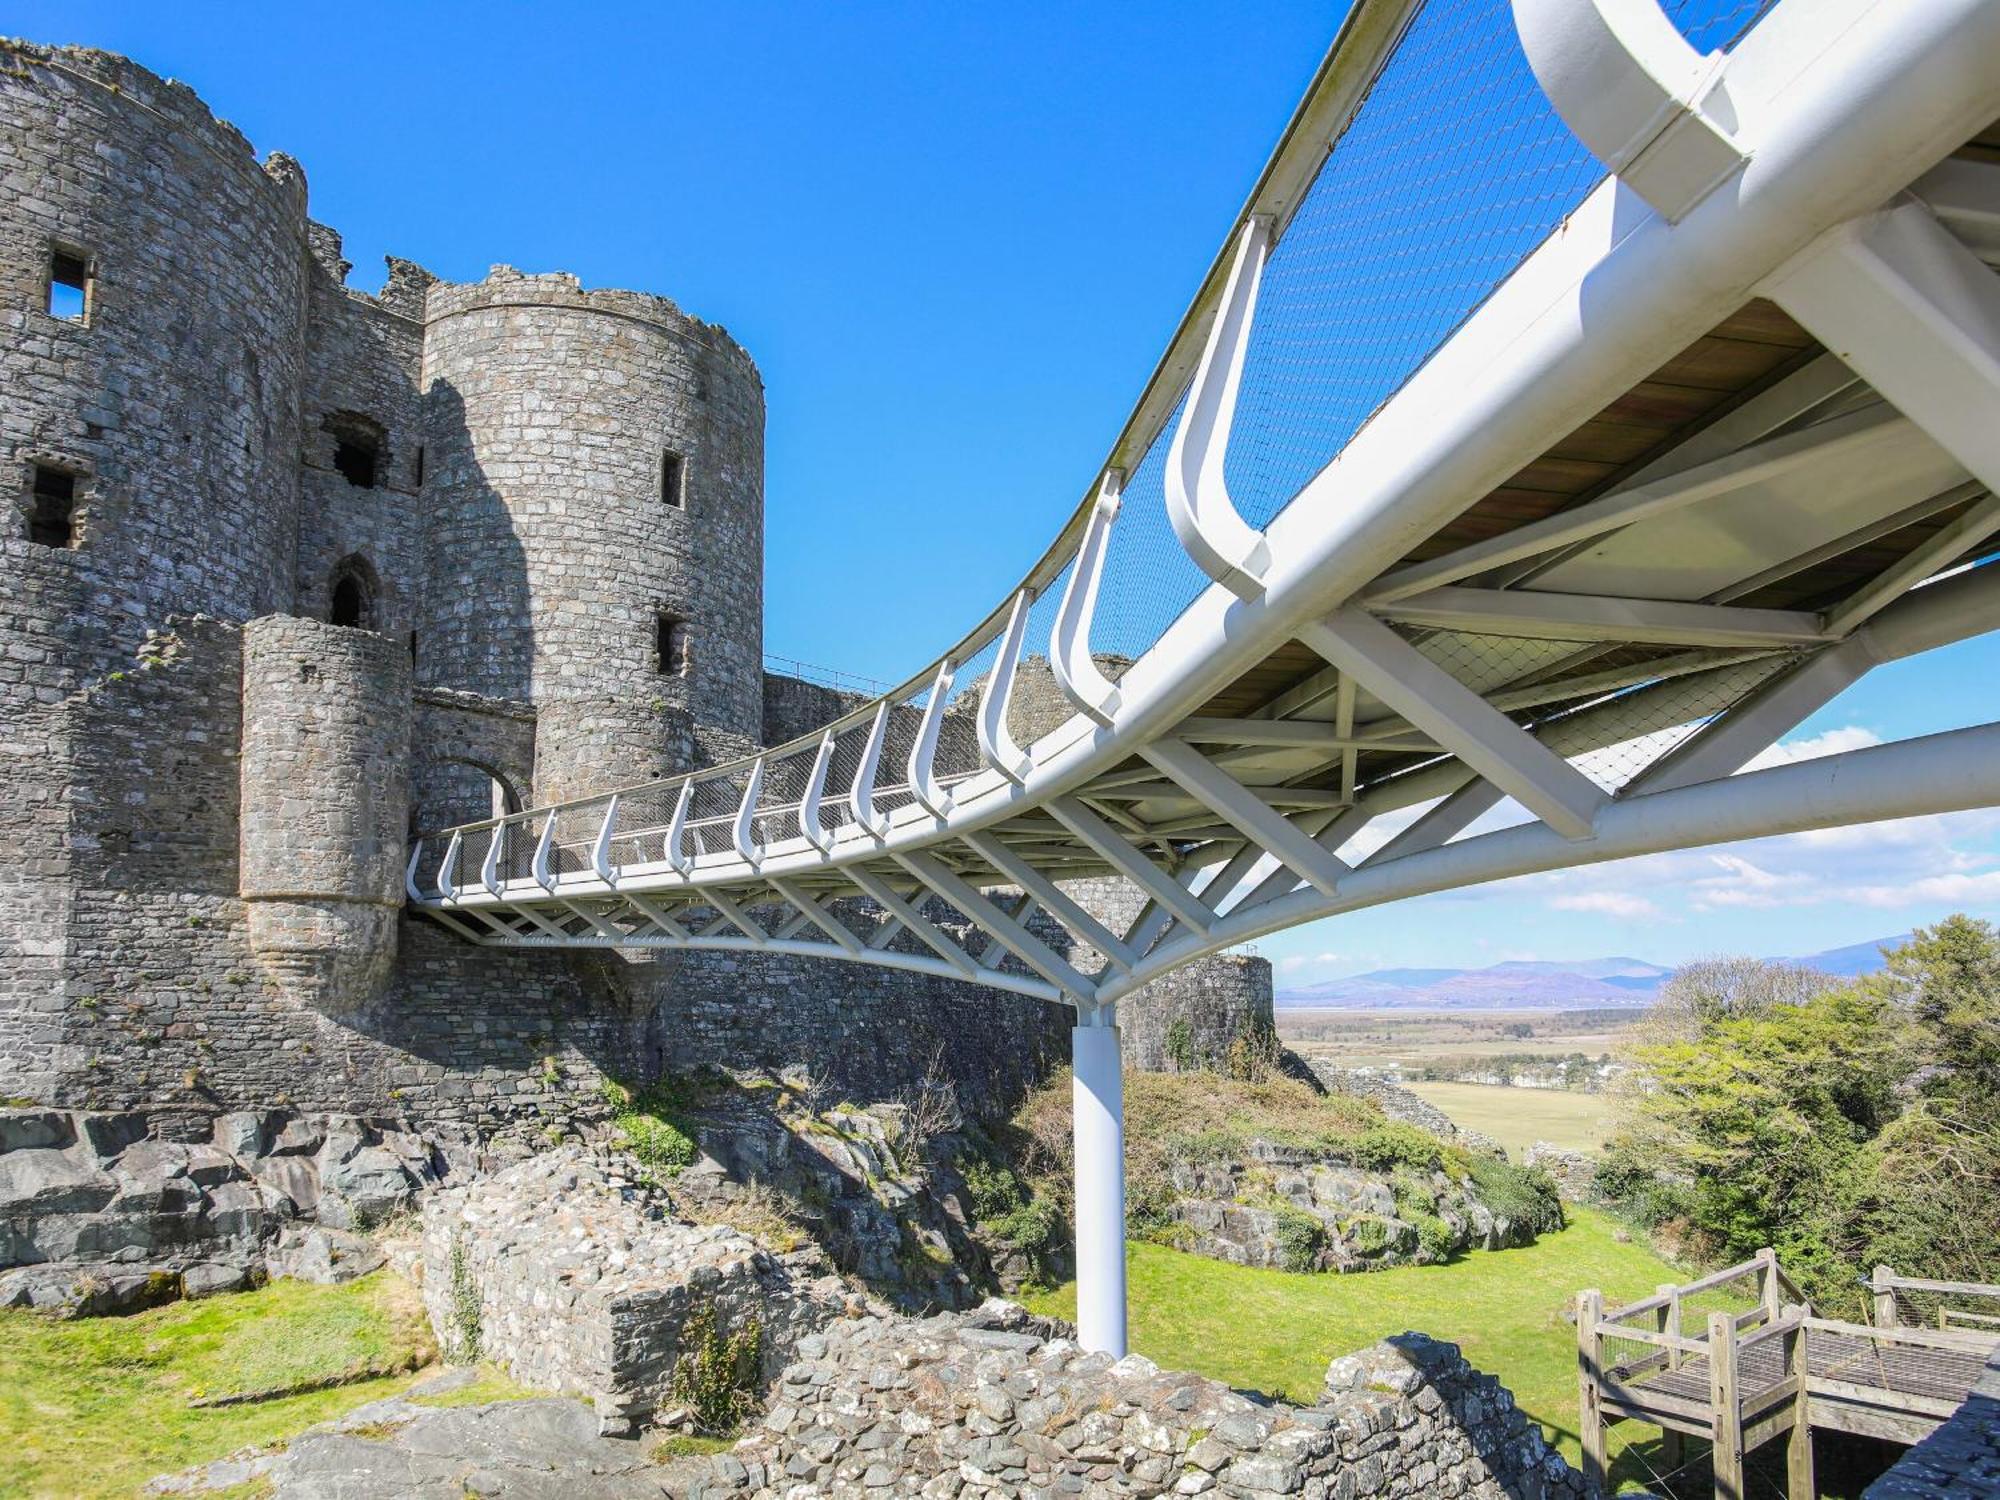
955	239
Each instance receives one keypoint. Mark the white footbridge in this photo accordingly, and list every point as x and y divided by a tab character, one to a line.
1588	392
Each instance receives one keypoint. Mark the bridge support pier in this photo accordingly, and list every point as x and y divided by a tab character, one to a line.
1099	1126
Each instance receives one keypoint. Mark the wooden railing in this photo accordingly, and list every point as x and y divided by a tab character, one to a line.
1743	1377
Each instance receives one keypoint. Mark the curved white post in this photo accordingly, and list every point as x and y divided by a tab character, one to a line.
1075	670
675	849
410	872
1223	545
861	797
809	823
743	833
996	743
446	886
600	852
545	846
1629	87
489	869
1099	1124
923	754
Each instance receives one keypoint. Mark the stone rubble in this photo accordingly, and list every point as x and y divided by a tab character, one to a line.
98	1216
997	1402
578	1278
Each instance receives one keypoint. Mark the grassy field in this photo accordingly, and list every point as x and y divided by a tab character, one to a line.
98	1406
1517	1118
1413	1038
1275	1332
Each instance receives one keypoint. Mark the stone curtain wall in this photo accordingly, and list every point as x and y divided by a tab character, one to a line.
864	1032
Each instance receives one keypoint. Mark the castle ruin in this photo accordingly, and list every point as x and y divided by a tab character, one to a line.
293	571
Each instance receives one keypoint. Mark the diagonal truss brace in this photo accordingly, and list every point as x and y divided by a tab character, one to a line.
1243	809
1458	718
1114	849
998	925
1053	898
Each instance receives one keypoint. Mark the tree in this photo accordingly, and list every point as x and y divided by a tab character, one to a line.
1842	1124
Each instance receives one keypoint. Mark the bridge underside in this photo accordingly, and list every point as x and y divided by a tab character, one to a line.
1718	444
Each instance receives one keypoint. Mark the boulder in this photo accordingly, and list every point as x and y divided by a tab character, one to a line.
27	1129
47	1181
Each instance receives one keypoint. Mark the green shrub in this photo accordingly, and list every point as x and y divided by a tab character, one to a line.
1371	1236
1180	1046
463	1330
1397	1145
1433	1236
991	1190
1522	1195
1032	1226
1253	1054
650	1124
1300	1236
715	1377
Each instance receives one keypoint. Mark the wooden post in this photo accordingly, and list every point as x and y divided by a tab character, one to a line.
1725	1408
1589	1374
1799	1448
1767	1283
1672	1453
1885	1297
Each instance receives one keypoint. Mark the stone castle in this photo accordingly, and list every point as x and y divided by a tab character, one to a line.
294	570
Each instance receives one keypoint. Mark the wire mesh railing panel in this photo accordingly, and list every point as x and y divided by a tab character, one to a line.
1486	662
1613	741
1148	578
1715	25
1454	169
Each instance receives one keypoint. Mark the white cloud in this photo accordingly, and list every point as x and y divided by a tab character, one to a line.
1607	903
1812	747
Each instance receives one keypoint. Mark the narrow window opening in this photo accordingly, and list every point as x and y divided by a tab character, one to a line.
673	479
357	447
671	647
347	603
52	515
69	285
420	466
350	594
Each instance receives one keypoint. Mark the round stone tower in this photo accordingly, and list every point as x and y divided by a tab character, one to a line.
155	277
596	536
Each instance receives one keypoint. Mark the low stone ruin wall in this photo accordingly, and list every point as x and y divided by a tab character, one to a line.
576	1278
99	1214
997	1402
1573	1172
1961	1460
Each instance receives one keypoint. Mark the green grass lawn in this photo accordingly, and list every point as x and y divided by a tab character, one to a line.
1517	1118
97	1406
1273	1331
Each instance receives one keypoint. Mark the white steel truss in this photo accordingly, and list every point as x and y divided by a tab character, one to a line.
1679	618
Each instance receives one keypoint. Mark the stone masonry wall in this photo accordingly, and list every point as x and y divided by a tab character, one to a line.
999	1403
553	551
326	794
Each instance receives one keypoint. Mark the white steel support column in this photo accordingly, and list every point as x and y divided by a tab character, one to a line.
1099	1125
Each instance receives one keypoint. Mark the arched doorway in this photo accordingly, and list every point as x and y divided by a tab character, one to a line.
352	590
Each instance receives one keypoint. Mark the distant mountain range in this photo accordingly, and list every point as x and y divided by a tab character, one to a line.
1519	985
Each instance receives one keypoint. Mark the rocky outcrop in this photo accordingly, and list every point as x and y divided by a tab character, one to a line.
853	1179
1299	1210
579	1278
999	1403
98	1214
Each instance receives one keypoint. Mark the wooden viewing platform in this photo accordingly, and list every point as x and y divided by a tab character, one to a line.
1742	1378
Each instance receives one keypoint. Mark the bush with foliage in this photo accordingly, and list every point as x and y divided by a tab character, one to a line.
1300	1236
1521	1195
650	1125
1180	1045
716	1376
1387	1147
1253	1053
1852	1124
1007	1208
